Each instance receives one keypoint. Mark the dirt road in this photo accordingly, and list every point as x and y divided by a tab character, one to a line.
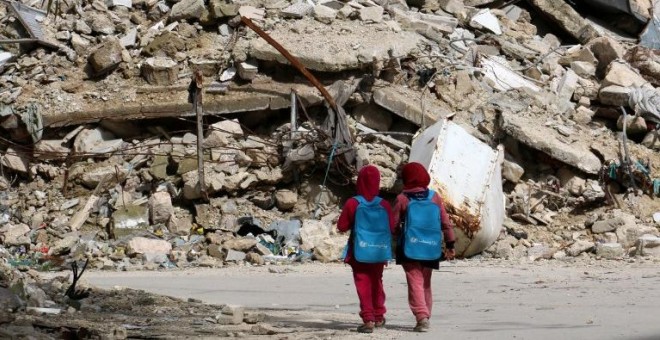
474	300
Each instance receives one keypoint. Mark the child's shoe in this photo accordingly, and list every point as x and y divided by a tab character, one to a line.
367	327
422	325
379	324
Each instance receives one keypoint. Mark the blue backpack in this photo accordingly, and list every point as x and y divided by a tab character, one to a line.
372	240
422	234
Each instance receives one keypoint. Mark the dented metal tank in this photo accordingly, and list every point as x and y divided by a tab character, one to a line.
467	174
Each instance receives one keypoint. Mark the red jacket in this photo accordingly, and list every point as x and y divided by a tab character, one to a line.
368	184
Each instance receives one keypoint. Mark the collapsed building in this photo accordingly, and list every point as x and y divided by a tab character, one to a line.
147	134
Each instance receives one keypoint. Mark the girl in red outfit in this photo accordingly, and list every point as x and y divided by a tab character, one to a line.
368	277
418	273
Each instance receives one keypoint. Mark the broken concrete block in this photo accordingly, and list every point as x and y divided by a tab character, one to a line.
231	315
248	70
330	249
512	171
223	133
94	141
243	244
14	160
621	74
15	235
128	219
604	226
583	69
647	61
652	140
566	86
485	19
610	251
431	26
606	50
92	177
455	7
160	71
129	39
371	14
107	56
234	256
115	3
614	95
252	12
578	53
143	245
583	115
160	207
635	125
223	8
567	18
406	105
579	247
286	199
298	10
323	54
324	14
187	9
502	78
629	233
543	139
313	232
648	245
373	116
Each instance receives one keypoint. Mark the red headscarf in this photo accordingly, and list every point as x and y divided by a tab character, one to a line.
415	176
368	182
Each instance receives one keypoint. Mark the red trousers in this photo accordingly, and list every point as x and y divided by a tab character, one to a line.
368	278
420	298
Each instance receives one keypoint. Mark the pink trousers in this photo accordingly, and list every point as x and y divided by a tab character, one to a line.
420	298
368	280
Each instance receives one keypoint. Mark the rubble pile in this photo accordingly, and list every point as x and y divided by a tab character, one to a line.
100	155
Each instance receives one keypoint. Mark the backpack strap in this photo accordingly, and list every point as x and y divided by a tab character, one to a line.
363	200
360	199
430	196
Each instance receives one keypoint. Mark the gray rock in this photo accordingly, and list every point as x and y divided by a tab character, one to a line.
15	160
606	50
648	245
98	140
93	176
583	69
286	199
234	256
324	14
187	9
629	234
81	27
610	251
652	140
143	245
107	56
160	207
64	245
248	70
503	250
9	300
371	14
579	247
100	23
231	315
15	235
115	3
612	224
540	251
255	259
634	125
161	71
223	8
614	95
298	10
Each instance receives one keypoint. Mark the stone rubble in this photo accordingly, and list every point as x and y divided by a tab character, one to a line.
119	134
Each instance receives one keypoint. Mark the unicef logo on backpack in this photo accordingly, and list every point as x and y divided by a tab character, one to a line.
426	242
364	244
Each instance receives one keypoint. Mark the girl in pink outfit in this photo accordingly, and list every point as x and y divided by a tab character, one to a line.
418	273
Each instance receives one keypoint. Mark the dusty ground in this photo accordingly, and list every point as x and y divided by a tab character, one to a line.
580	299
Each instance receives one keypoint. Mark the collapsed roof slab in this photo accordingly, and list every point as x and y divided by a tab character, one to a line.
337	47
408	104
164	103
